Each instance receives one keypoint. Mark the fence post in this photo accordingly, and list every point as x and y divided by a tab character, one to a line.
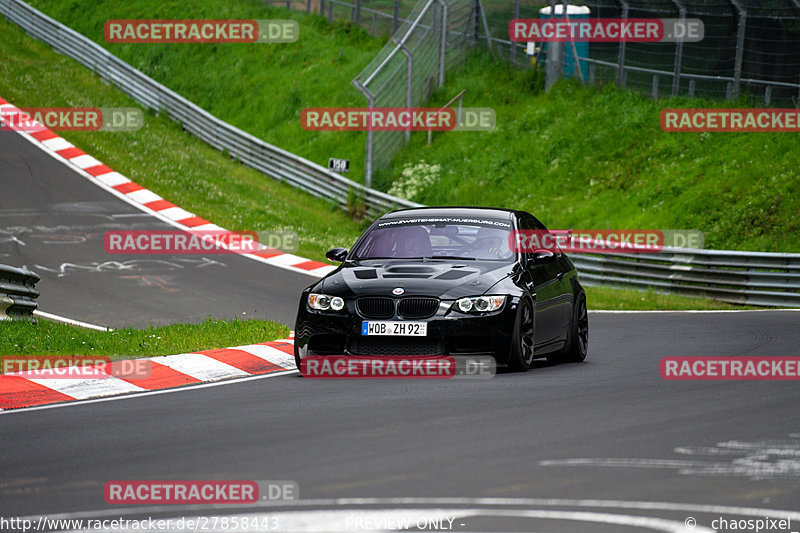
330	12
374	24
368	148
575	59
476	31
356	14
288	4
655	86
322	7
442	42
691	88
621	58
396	16
737	69
767	95
676	72
409	79
513	58
308	6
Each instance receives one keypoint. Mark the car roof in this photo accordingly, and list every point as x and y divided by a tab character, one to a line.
449	211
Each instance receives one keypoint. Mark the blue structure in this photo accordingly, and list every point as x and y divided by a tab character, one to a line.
574	12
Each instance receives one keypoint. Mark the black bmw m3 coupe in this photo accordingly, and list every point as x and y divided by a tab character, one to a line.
447	281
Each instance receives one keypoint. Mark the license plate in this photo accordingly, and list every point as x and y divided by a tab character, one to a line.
404	329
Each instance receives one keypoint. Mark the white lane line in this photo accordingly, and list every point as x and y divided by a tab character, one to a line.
70	321
473	502
199	366
184	388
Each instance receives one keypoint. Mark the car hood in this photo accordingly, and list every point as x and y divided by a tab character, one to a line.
445	279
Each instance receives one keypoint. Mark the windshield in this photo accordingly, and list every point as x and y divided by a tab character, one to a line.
485	240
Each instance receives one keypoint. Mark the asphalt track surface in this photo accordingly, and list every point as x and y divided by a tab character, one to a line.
605	445
52	220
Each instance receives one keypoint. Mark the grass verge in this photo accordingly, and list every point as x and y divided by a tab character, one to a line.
608	298
50	338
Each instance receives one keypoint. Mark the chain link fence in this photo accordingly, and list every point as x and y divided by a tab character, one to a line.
750	47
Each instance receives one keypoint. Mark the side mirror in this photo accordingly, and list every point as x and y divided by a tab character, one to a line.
336	254
542	256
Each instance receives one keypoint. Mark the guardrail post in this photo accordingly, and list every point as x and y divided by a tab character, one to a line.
621	57
17	293
737	69
676	71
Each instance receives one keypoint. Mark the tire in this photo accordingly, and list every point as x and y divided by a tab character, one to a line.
296	356
578	342
521	356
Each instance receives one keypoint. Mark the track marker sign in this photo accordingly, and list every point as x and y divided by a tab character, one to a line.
339	165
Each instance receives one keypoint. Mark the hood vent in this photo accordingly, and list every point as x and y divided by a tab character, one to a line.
454	274
366	274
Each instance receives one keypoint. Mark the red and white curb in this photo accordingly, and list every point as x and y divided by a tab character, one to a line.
41	387
148	201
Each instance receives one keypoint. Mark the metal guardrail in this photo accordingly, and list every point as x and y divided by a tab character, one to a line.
754	278
264	157
17	293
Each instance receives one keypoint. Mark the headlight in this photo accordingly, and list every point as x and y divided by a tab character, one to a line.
480	304
323	302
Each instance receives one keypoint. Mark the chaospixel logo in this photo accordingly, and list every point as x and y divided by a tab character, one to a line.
201	31
35	119
177	492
